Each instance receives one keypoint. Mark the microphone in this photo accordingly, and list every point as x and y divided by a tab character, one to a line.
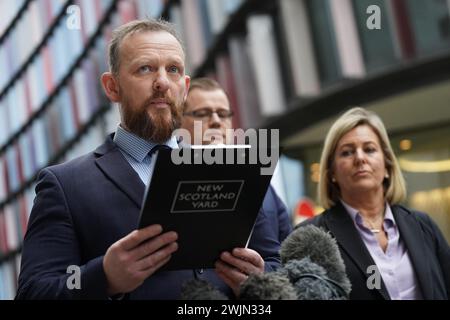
312	269
200	290
310	255
267	286
311	282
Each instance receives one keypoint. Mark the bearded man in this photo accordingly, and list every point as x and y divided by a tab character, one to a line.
86	211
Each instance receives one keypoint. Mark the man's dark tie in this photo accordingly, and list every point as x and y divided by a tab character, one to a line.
157	148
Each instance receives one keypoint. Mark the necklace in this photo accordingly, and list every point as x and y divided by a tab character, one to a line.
371	227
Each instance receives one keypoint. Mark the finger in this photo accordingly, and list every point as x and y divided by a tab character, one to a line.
232	277
147	273
249	255
137	236
228	281
153	260
243	266
234	274
150	246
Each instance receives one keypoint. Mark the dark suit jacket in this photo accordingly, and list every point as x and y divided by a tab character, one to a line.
428	250
84	206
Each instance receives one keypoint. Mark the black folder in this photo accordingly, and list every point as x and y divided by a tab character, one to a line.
212	206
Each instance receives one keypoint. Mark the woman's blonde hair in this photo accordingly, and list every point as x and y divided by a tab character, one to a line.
394	185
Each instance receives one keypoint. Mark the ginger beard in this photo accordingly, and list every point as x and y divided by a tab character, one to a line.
149	122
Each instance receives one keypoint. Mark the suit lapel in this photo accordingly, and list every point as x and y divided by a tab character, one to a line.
342	227
412	236
111	161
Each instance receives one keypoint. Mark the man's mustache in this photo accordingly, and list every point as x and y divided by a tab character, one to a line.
167	99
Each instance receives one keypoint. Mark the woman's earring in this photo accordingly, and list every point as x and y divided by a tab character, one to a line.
386	175
333	180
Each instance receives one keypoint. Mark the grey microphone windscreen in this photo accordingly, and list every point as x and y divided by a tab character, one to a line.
267	286
200	290
321	248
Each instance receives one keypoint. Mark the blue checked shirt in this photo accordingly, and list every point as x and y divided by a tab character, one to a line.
135	150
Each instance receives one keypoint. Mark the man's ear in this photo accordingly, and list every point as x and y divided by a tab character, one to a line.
110	86
188	83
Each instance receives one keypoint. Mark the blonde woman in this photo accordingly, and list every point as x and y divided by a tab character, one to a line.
390	251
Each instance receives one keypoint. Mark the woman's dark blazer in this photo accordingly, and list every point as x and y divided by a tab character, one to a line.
427	247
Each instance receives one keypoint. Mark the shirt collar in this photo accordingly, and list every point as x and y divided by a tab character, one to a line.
356	217
137	147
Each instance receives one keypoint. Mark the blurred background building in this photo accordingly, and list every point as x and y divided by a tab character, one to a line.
292	65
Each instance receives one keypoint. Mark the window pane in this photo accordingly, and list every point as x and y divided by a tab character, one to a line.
431	24
324	40
377	44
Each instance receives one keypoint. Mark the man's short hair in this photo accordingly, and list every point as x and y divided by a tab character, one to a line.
206	84
132	27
